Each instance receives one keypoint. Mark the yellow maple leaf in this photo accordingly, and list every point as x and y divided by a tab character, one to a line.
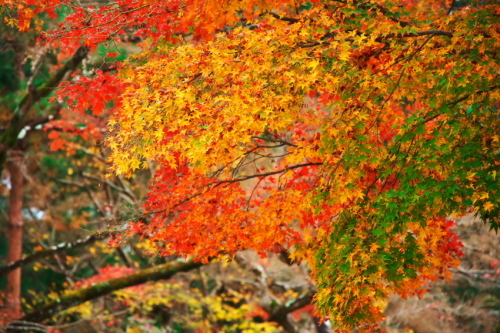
488	206
344	54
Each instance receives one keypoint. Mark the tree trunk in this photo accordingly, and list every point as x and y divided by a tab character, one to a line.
15	233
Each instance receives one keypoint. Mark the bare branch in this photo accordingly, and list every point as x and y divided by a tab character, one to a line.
52	251
241	179
109	183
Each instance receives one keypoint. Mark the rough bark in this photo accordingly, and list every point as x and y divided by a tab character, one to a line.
14	165
73	298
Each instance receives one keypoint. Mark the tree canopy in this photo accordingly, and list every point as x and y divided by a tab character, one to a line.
347	133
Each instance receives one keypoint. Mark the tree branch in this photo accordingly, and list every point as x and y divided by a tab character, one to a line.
9	138
280	315
109	183
381	39
32	97
391	16
283	18
298	304
419	34
454	103
241	179
74	298
450	9
25	326
52	251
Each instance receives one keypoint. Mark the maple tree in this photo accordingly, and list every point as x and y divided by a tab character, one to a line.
67	200
345	132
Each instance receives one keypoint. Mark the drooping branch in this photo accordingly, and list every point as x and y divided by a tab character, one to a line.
74	298
54	250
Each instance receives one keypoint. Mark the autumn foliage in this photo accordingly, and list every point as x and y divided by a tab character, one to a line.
348	133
